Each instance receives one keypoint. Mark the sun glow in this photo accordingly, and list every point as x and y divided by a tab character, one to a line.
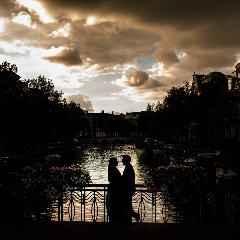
90	21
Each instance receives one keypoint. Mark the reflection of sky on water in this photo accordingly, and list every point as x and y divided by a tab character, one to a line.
95	161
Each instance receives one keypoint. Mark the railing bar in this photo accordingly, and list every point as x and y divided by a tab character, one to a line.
213	205
84	205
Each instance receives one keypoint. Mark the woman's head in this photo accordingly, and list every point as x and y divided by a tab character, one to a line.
113	161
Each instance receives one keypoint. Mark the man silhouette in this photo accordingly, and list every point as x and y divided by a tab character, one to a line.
128	183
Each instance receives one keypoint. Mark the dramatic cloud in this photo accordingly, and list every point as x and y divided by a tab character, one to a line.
168	58
126	54
141	80
68	57
83	100
136	79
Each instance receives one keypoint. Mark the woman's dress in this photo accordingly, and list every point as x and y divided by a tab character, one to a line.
114	195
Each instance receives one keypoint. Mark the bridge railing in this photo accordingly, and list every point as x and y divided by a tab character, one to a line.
88	204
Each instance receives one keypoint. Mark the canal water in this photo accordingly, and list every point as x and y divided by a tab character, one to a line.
95	161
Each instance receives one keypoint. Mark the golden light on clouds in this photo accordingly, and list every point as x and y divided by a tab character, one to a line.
157	68
25	19
90	21
101	49
33	5
2	23
61	32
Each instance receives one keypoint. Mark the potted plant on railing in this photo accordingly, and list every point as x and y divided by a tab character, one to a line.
42	186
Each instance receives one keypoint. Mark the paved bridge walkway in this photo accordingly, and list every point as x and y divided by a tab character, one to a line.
105	231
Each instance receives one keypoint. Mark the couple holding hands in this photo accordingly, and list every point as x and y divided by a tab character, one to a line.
121	188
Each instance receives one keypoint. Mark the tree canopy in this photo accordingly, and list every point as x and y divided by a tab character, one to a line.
33	111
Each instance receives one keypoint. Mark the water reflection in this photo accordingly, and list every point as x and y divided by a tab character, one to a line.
95	161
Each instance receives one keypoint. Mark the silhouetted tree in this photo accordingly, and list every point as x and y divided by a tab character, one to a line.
32	111
11	104
42	102
175	114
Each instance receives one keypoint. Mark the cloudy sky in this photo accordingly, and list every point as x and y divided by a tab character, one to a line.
119	55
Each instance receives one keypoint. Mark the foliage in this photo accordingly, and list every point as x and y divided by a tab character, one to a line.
33	111
176	181
150	107
178	104
48	182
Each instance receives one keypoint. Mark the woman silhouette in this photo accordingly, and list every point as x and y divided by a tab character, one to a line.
114	191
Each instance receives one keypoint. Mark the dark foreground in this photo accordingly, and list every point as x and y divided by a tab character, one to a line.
104	231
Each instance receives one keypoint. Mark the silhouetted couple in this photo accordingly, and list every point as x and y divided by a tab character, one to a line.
120	191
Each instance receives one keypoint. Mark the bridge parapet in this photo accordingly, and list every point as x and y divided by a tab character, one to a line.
88	204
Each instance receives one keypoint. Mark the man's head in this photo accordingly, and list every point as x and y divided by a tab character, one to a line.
126	159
